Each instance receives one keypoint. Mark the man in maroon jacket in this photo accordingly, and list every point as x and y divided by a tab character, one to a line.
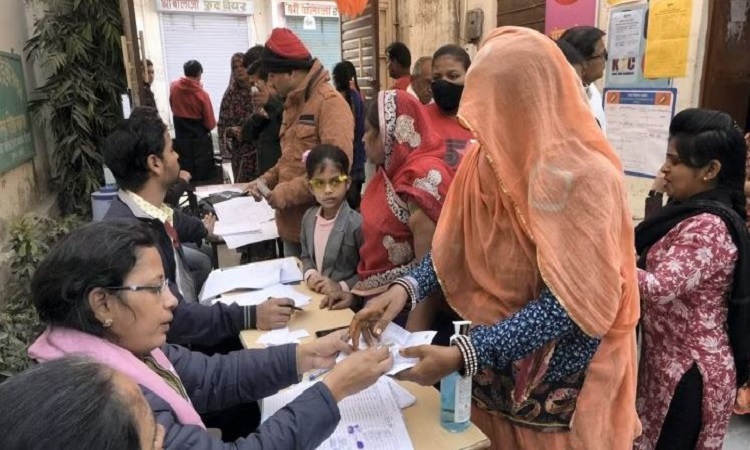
193	121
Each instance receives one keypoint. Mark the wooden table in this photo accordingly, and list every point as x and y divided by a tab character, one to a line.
422	419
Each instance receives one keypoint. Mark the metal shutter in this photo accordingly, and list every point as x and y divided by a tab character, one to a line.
521	13
324	42
358	40
209	39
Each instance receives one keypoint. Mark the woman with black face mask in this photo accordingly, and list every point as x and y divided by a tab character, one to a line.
449	66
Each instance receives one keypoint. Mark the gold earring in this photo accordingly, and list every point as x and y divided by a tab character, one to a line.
107	323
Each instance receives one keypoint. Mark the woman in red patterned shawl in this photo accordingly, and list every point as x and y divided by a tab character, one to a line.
403	200
236	108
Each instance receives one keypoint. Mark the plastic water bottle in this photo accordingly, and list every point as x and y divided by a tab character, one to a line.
455	393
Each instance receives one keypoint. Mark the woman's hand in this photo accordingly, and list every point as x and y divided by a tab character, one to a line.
326	286
435	362
358	371
337	300
322	352
377	314
658	185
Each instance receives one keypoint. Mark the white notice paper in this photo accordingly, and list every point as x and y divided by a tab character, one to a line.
638	127
370	420
397	338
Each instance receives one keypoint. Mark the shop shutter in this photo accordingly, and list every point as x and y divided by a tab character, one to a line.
210	39
324	42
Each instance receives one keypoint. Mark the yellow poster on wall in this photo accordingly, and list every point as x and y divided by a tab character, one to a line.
669	24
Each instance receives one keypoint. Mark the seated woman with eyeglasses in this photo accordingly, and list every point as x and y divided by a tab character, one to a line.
331	233
102	294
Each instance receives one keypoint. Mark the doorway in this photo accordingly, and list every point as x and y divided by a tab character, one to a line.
726	76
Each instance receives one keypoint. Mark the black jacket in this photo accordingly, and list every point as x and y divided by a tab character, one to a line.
193	323
263	133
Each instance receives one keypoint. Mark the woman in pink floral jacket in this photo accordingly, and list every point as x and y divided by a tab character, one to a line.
695	290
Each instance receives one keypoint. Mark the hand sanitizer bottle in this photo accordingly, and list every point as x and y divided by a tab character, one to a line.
455	392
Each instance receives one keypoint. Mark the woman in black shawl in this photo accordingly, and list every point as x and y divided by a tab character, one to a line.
695	291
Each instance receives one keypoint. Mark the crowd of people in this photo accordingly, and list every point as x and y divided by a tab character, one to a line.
492	195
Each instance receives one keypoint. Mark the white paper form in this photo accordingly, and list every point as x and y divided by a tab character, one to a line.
241	215
370	420
282	336
275	291
250	276
397	338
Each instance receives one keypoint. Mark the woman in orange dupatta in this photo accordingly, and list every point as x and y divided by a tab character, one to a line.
535	247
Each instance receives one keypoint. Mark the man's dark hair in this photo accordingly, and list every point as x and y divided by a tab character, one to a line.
100	254
400	53
67	404
127	148
583	38
257	69
192	68
252	55
149	63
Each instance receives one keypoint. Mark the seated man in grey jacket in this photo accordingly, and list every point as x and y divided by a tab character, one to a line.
102	293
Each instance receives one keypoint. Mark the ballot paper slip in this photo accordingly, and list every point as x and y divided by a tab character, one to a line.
257	297
251	276
370	420
397	338
282	336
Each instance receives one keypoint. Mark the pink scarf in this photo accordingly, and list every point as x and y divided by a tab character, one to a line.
59	342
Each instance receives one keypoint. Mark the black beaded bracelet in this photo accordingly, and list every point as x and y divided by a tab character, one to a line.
469	355
409	292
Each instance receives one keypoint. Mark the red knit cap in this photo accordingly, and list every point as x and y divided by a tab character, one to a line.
286	44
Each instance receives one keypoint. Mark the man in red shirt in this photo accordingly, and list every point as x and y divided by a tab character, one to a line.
193	121
399	64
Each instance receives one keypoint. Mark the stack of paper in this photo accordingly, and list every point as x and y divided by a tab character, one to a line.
257	297
371	419
251	276
244	221
282	336
202	192
397	338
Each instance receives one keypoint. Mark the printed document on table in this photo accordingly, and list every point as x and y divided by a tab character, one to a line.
258	297
370	419
241	215
251	276
397	338
282	336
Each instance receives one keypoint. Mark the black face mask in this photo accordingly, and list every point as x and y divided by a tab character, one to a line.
447	95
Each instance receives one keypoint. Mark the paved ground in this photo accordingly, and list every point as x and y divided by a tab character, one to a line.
738	437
